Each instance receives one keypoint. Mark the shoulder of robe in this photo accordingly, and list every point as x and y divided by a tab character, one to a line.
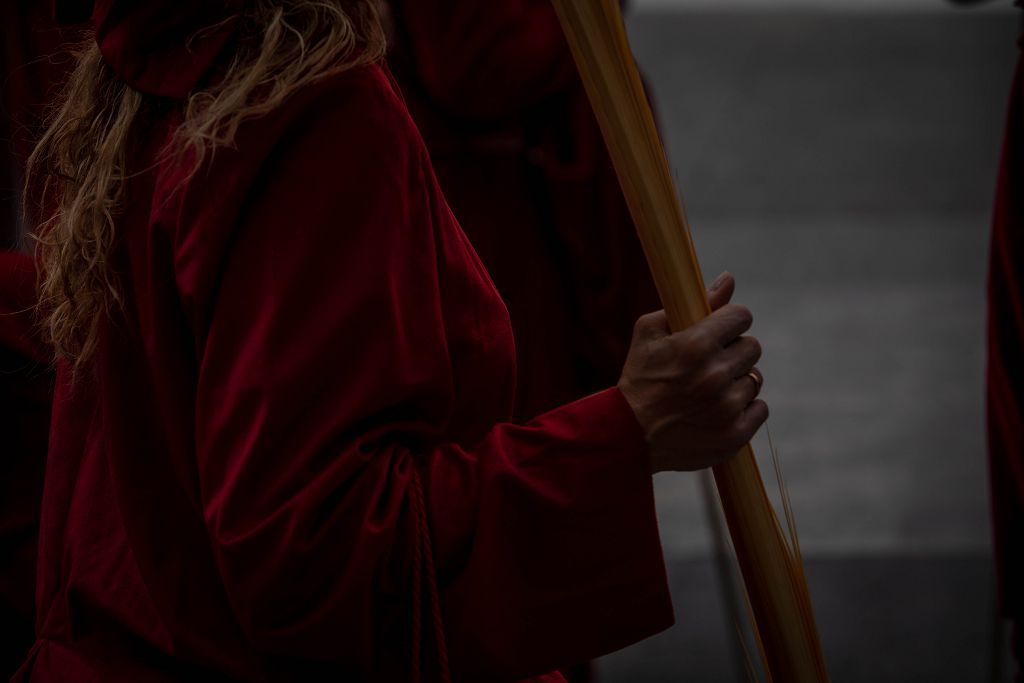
349	131
351	114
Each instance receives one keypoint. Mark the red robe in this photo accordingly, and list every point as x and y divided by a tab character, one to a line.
29	74
308	340
1006	367
25	396
520	158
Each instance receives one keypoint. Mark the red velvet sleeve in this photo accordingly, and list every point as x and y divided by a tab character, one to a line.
487	60
333	366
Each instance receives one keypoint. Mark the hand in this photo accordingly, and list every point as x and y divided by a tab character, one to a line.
691	391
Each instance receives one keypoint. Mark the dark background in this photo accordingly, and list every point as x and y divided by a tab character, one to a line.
842	165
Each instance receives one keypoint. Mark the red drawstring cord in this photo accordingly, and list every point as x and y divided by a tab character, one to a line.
424	555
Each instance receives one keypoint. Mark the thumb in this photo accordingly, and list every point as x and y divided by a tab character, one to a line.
721	290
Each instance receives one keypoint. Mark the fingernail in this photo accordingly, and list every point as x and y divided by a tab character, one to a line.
719	281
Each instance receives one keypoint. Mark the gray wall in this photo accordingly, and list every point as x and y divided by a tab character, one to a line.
842	164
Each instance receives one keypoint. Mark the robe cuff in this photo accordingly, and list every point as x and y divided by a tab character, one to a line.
624	538
571	566
610	424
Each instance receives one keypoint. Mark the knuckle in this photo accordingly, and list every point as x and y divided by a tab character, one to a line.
720	377
755	349
744	315
736	404
738	435
714	379
649	323
754	416
703	341
725	411
660	355
687	348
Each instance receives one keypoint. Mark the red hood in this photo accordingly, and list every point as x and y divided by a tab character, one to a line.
157	46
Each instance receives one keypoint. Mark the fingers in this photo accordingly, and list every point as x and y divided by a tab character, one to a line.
741	393
729	322
716	331
750	420
721	290
757	378
741	430
655	325
741	355
652	326
738	432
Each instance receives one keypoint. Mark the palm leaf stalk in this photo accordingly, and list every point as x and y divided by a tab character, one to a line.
770	562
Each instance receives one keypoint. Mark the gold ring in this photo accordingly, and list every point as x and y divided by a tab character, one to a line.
757	380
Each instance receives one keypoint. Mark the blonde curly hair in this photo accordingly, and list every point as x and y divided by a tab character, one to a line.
77	171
